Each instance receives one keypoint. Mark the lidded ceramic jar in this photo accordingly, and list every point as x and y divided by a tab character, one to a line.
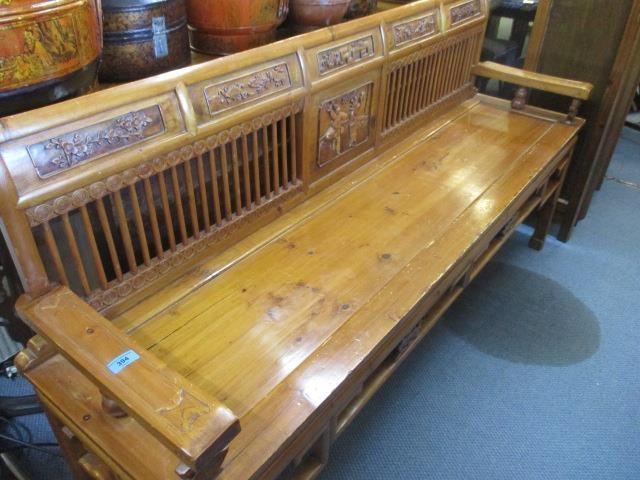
222	27
49	51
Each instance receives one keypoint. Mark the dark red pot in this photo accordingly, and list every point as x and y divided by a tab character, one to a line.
317	13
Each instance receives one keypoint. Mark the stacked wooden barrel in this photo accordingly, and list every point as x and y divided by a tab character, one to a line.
143	38
51	49
221	27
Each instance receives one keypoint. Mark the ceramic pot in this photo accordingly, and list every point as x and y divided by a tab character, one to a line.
49	51
360	8
143	38
222	27
309	14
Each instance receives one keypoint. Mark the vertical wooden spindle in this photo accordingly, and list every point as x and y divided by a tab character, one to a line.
177	196
111	245
265	159
256	167
426	95
215	190
125	233
202	182
285	157
409	90
76	258
417	95
55	253
236	177
166	210
224	168
276	159
93	245
398	97
137	218
246	172
153	218
390	95
294	149
191	195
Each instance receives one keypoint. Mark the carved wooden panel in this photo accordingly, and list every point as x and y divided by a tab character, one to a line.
226	95
57	154
465	11
344	123
112	237
410	30
345	54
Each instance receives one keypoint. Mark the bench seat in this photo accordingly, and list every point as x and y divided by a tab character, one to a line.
284	298
264	314
223	264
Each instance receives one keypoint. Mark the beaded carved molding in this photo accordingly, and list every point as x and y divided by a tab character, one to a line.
82	196
58	154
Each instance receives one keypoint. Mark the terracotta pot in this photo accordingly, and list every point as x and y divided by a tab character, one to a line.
222	27
143	38
359	8
49	51
310	14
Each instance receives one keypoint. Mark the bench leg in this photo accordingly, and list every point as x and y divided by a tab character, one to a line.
547	211
71	448
543	224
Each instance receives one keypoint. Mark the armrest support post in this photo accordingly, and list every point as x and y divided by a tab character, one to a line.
520	100
573	110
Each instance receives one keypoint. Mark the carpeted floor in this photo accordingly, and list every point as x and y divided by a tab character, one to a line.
533	373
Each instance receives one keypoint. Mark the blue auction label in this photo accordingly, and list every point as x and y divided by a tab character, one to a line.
122	361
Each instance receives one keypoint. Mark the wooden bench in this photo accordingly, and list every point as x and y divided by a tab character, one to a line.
224	263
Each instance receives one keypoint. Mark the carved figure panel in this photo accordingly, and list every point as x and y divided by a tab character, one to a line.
415	29
346	54
61	153
464	11
344	123
223	96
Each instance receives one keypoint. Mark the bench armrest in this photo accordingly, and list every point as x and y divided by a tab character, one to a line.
539	81
188	421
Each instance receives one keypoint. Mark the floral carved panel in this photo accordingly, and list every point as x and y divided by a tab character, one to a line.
226	95
464	11
58	154
422	27
346	54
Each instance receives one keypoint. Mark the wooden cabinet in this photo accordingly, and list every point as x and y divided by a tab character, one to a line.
594	41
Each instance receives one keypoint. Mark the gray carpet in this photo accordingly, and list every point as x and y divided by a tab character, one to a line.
533	373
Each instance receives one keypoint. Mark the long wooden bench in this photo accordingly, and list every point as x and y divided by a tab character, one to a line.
224	263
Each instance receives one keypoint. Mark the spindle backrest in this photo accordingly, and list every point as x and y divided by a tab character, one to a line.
114	193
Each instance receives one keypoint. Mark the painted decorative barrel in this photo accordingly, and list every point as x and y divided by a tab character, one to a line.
49	51
359	8
311	14
222	27
143	38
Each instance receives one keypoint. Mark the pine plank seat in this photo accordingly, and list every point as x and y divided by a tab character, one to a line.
224	263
